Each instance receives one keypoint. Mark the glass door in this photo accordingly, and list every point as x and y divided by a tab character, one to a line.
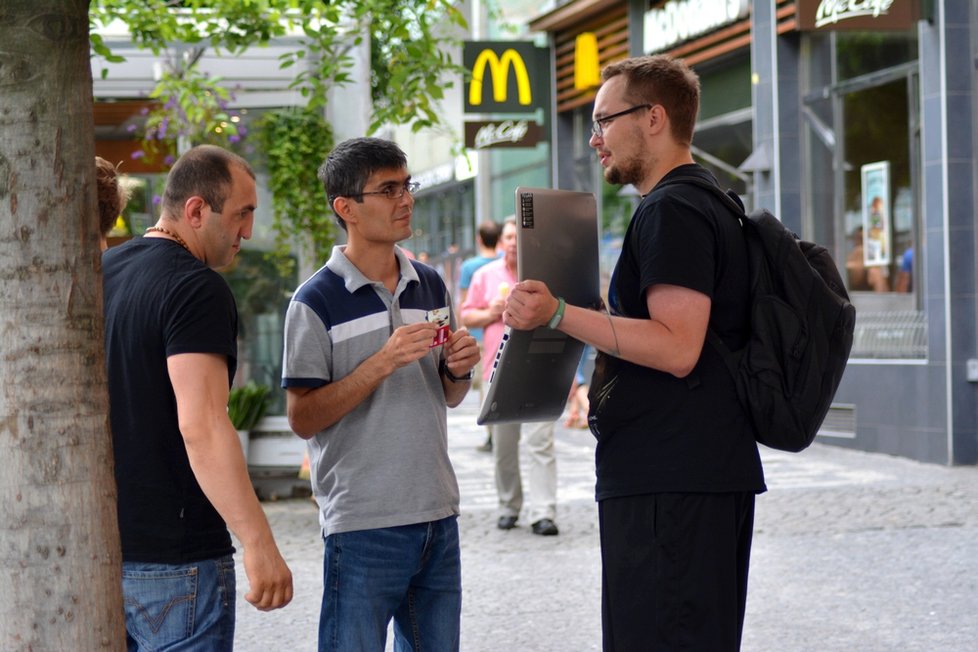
862	139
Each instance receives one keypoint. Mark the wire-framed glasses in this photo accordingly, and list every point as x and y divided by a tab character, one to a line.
394	191
597	126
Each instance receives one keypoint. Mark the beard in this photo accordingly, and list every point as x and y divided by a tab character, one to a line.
631	171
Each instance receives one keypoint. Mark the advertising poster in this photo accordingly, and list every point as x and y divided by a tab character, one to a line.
876	213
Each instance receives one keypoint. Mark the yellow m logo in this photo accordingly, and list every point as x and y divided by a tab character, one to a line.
499	69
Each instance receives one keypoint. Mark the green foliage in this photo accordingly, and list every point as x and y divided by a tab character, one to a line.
295	143
191	106
409	60
616	210
410	42
258	285
247	405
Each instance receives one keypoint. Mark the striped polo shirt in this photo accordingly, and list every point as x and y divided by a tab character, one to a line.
386	462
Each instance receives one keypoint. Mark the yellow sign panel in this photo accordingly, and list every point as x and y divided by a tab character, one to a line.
587	71
499	71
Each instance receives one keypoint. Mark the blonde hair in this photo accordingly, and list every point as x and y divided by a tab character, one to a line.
112	195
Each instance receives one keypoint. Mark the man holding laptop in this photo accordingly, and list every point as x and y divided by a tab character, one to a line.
483	308
676	461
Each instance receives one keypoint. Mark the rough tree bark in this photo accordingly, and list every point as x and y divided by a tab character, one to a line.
59	542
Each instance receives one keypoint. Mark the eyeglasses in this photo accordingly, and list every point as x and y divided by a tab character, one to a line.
597	126
395	191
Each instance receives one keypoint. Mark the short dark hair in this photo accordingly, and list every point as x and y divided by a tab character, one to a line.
489	233
350	165
662	79
204	171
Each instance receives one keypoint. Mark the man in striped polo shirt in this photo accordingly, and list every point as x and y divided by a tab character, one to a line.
372	359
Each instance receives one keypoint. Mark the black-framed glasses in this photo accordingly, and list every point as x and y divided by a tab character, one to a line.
394	191
597	126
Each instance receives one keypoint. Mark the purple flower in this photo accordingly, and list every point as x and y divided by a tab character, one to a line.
156	200
169	159
138	154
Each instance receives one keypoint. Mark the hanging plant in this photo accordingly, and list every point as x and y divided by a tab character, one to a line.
190	108
295	141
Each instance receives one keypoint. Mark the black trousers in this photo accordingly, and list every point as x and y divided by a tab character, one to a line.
674	571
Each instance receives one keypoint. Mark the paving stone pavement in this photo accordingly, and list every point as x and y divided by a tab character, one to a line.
852	552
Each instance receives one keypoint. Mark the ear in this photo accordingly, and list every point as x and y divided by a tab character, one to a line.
658	118
193	211
344	208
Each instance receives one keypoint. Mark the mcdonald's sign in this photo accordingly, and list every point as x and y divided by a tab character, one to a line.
506	76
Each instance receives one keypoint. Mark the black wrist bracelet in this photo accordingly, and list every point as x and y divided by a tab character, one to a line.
457	379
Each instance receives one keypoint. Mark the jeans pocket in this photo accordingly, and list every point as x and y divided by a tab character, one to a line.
159	603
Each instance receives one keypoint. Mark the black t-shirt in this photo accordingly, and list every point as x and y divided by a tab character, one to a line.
658	433
160	301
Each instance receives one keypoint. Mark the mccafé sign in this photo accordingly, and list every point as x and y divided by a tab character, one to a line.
507	76
863	15
502	133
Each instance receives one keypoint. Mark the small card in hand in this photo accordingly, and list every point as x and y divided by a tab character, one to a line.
439	316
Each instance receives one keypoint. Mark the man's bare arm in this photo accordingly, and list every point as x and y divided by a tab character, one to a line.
473	317
311	410
200	384
671	340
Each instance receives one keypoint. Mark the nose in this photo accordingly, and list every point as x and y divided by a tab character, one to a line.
247	228
594	140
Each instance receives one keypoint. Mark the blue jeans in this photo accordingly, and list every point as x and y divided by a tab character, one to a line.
177	607
410	573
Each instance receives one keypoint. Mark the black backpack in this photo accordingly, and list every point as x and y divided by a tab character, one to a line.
800	333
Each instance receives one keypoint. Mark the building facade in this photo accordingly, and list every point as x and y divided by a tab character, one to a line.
854	123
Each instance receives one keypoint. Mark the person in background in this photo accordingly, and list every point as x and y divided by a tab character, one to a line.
371	361
483	308
112	198
904	281
577	401
486	239
171	329
676	460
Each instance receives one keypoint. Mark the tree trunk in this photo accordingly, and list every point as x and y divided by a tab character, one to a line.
59	543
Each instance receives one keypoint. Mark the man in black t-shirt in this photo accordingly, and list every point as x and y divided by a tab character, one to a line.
170	343
676	461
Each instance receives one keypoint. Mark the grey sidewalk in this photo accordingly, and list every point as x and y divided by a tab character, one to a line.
852	551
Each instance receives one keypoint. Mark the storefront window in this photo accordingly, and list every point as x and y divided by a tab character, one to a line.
864	53
724	131
862	140
444	229
878	189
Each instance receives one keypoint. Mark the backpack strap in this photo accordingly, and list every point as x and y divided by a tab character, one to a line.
732	201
